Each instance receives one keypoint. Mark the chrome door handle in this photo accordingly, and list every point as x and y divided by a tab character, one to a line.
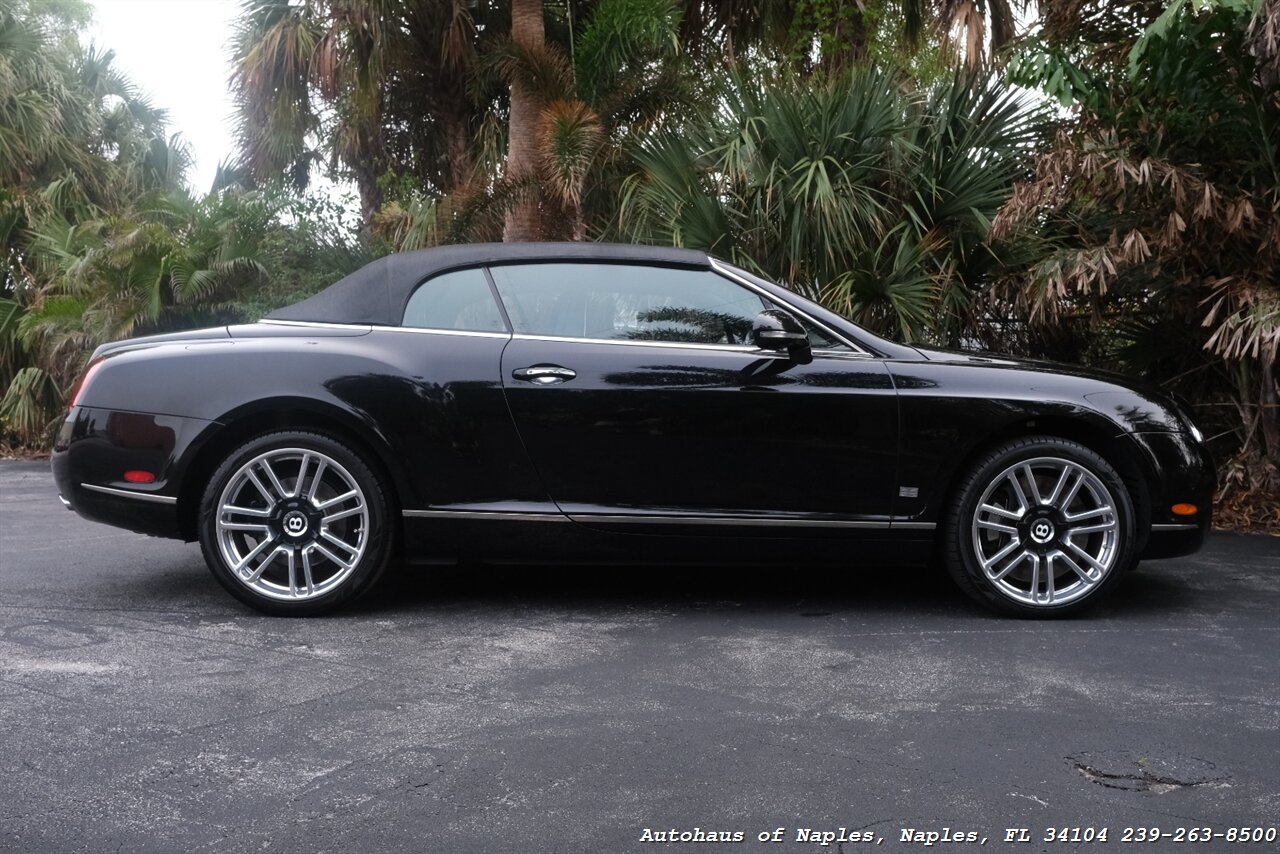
544	374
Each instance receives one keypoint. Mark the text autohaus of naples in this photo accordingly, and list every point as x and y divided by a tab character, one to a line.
812	835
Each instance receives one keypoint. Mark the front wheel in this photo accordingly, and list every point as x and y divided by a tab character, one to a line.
295	524
1041	527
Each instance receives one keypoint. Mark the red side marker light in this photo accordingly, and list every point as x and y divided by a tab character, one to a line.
136	476
1183	509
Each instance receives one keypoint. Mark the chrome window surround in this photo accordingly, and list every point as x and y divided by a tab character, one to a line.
459	333
734	348
369	327
366	327
858	350
669	345
717	266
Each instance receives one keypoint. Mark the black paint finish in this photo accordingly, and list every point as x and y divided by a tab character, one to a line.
569	448
704	430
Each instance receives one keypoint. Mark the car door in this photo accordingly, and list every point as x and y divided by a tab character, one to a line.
641	401
460	449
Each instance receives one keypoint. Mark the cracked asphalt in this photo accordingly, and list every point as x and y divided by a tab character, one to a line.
530	709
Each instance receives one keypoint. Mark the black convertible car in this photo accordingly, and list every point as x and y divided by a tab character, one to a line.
618	405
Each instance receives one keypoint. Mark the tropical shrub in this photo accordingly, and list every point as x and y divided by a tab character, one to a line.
1157	213
857	189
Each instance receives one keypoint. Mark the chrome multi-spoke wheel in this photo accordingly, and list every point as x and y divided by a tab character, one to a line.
291	523
1046	531
1042	525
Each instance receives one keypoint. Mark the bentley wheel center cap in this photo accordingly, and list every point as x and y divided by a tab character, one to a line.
295	523
1042	531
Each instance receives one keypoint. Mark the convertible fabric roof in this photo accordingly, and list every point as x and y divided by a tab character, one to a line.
377	293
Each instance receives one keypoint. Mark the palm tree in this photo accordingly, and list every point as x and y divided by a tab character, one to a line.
832	36
528	37
856	190
1157	210
76	139
380	91
621	75
976	29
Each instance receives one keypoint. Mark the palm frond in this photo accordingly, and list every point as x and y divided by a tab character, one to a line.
30	405
542	71
569	139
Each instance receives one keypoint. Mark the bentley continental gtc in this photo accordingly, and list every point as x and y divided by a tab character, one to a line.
619	406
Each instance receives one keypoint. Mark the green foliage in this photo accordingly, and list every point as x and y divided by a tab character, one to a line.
829	143
28	405
1052	70
1157	209
856	189
100	238
1172	23
303	244
620	42
365	87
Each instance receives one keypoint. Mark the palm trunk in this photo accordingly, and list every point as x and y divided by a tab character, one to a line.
523	221
457	136
366	179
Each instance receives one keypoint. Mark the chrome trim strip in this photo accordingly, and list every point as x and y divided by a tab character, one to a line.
367	327
459	333
680	345
371	327
127	493
684	345
485	514
716	265
640	519
524	336
744	521
65	502
719	267
1174	526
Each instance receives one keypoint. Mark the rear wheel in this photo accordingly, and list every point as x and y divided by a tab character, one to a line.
1042	527
295	524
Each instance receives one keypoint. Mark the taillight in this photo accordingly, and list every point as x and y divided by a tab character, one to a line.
83	383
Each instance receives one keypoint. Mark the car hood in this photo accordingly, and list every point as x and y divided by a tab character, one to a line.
1138	404
942	354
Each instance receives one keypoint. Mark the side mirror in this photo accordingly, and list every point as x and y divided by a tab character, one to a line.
775	329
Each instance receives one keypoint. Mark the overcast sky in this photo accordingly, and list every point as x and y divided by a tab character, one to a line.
176	52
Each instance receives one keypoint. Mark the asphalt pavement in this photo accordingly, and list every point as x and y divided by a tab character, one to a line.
598	710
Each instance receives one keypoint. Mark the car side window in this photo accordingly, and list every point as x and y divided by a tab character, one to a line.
818	338
460	300
627	302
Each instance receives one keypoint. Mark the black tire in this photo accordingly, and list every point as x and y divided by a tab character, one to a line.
1001	475
295	528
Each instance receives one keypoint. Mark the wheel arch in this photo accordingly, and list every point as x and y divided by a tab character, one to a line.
1114	447
238	426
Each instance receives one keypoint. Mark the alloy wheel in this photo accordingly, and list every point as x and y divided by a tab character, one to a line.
1046	531
292	524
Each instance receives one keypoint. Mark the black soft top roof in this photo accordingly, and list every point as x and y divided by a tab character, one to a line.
377	292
